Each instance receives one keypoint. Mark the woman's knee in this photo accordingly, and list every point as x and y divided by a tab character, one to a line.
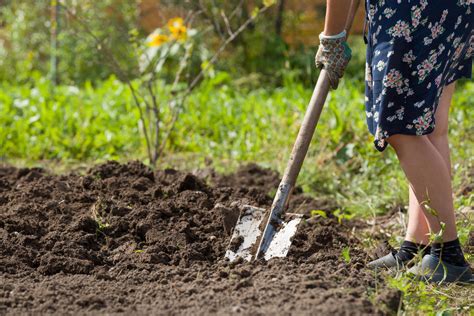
440	130
398	140
401	142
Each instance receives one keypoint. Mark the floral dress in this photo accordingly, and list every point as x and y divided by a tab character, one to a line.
414	49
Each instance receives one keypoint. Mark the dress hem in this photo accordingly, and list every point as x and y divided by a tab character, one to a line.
404	132
448	82
424	133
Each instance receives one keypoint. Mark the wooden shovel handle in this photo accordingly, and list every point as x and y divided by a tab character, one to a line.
311	117
305	134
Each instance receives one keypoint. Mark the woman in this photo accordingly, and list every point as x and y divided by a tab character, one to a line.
416	51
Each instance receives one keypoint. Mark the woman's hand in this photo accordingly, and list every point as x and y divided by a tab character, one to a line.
333	55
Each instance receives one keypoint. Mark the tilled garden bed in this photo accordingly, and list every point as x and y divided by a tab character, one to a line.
125	239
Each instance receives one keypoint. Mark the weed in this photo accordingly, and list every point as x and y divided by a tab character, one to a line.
346	254
320	213
101	225
341	215
96	210
425	298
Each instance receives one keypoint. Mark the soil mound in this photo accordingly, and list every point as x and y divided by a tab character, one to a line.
123	238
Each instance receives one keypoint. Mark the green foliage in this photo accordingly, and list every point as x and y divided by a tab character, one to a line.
70	123
259	54
23	38
25	43
27	31
430	299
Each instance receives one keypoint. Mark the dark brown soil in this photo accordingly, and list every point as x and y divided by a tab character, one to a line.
125	239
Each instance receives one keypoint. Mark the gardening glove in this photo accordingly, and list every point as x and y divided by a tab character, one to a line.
333	55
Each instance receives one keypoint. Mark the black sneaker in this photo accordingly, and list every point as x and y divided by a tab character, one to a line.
432	269
399	259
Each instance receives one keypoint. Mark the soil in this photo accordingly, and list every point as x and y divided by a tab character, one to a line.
125	239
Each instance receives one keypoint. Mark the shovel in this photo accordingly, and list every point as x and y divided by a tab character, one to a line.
248	241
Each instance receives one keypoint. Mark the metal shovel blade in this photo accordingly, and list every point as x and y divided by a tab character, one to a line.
248	231
284	230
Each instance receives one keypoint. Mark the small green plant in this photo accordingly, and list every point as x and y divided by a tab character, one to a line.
341	215
166	74
101	226
320	213
96	210
346	254
438	237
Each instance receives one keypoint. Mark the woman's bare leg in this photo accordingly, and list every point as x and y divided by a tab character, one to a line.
439	137
418	228
430	180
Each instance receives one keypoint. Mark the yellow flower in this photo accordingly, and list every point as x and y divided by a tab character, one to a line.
175	23
177	29
268	3
158	40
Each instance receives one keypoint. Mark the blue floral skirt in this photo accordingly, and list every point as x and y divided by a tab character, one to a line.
414	49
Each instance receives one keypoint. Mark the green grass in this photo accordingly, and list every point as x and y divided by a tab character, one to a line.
72	123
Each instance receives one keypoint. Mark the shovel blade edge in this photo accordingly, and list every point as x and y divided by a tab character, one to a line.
283	237
246	233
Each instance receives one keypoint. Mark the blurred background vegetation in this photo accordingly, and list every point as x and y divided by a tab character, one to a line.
283	38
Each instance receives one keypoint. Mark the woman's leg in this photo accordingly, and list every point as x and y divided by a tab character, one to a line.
418	228
430	180
439	137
